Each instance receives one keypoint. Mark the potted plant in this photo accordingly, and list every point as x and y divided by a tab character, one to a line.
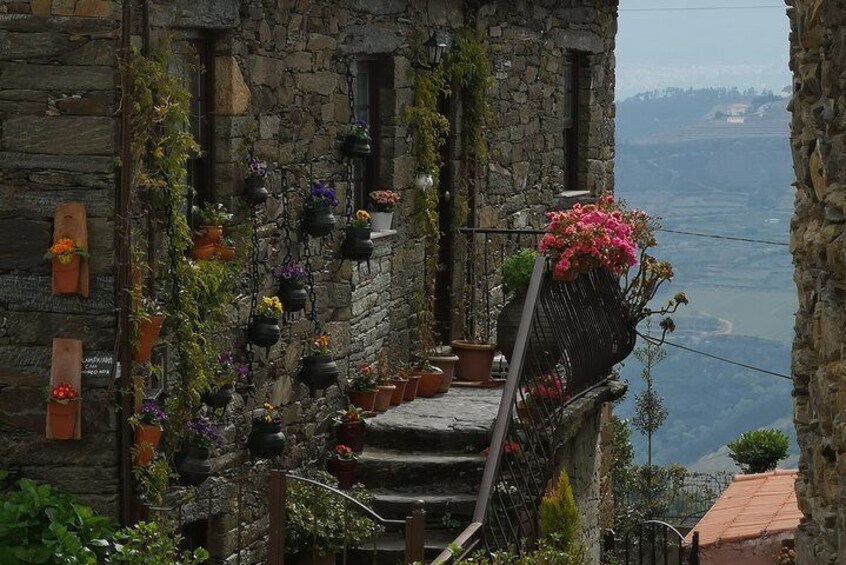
255	192
384	202
264	328
431	377
541	398
350	428
444	359
65	256
225	249
209	219
341	464
193	463
510	450
147	318
266	438
384	393
413	381
292	278
362	387
226	374
475	360
318	219
148	425
357	244
423	180
357	141
62	410
319	370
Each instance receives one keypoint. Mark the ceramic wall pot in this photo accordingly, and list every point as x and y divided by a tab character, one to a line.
399	391
318	222
381	221
193	465
352	435
356	147
201	251
430	382
319	371
266	439
224	252
148	333
66	275
255	192
411	388
343	470
543	347
292	295
445	363
365	400
475	360
383	397
357	244
147	439
264	331
219	398
62	417
210	234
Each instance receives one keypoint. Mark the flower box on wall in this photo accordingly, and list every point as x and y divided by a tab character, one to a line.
71	277
64	415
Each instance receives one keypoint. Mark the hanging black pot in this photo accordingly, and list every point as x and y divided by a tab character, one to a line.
319	221
264	331
266	439
543	347
319	371
292	295
356	146
193	465
357	244
255	192
220	398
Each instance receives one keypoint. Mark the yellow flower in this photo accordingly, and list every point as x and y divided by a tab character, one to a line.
362	215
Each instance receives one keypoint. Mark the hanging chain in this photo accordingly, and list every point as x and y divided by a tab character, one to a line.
254	288
287	240
349	161
312	295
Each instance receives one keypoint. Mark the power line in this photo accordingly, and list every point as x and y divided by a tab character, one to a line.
702	8
718	358
727	237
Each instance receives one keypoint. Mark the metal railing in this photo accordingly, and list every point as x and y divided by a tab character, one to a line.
570	336
652	542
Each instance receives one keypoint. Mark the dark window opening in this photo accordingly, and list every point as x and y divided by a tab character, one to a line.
371	78
195	535
575	66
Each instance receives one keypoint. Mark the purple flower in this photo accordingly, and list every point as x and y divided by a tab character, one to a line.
152	414
255	167
360	123
291	271
226	358
201	432
241	371
322	196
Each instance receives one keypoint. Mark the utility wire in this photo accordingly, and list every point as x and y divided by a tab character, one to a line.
701	8
728	237
716	357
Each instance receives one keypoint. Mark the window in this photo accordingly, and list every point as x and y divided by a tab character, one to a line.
575	65
370	79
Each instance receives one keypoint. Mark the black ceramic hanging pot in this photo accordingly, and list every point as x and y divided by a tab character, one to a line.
319	221
319	371
220	398
193	465
266	439
357	146
357	244
264	331
255	192
292	295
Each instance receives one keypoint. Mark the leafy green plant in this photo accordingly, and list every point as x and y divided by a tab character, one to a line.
559	516
545	554
517	271
759	451
147	543
153	479
211	214
40	525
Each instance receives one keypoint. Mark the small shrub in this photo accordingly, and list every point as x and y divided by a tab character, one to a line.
545	554
759	451
146	543
559	516
517	271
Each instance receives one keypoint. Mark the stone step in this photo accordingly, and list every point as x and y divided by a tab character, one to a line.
397	505
388	468
390	548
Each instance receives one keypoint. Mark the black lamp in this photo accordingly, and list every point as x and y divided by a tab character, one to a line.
435	49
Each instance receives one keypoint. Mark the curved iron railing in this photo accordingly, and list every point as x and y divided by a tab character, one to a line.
570	336
652	542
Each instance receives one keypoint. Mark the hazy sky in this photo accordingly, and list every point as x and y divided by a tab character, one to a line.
663	43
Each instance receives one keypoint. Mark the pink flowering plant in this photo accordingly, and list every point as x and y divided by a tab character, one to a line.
384	200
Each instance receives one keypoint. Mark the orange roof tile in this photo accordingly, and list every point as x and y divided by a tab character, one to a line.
750	506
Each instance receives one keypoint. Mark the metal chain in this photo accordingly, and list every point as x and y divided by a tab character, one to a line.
287	240
254	288
312	295
349	162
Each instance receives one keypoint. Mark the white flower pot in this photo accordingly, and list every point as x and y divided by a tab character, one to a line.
424	181
381	221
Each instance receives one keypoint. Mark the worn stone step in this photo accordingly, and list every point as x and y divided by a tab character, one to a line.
390	548
388	468
398	504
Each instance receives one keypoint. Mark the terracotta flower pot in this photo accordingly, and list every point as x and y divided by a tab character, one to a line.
364	400
202	251
66	275
475	360
148	333
211	234
399	391
430	382
411	388
383	397
63	418
224	252
445	363
147	439
343	470
351	434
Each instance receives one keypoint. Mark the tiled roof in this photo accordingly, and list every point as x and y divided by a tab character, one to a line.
750	506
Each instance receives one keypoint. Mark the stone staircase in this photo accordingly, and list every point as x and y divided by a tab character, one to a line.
429	450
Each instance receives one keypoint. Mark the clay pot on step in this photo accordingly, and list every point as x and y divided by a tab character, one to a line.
351	434
446	363
66	275
343	470
193	464
147	439
366	400
430	382
319	372
411	388
266	439
399	390
383	397
475	360
148	333
319	221
63	416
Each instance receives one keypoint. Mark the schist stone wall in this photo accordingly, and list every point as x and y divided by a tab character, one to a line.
280	87
818	243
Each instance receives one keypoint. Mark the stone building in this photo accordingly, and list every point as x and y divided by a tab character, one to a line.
817	49
271	78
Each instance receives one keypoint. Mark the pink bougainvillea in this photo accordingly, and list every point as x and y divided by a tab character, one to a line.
584	238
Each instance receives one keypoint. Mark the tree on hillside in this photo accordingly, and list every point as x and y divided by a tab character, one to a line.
650	413
759	451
